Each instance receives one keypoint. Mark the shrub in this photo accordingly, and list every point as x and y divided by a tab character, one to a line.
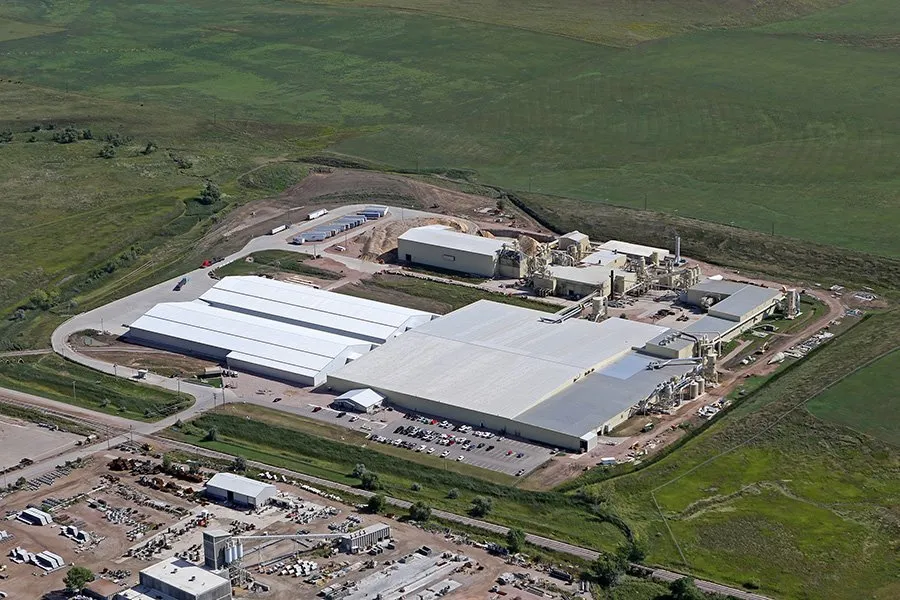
453	493
481	506
210	194
212	434
415	487
69	135
515	540
369	481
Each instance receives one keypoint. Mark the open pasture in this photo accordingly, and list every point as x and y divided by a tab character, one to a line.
769	128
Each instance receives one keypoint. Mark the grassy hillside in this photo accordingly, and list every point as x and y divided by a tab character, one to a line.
773	494
769	128
867	401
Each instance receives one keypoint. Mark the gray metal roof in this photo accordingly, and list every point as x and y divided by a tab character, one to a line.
586	405
364	397
712	325
747	299
590	275
442	236
494	358
671	339
718	286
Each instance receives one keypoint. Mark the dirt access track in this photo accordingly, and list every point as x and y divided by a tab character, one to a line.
339	187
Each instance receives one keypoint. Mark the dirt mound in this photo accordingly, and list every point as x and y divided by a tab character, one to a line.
383	237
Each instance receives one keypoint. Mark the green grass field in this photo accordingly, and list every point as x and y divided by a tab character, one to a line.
52	377
769	126
275	261
432	296
866	401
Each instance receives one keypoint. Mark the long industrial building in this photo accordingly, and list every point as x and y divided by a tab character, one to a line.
445	248
520	371
279	330
731	307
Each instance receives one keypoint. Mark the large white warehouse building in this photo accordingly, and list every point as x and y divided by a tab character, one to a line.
518	371
444	247
280	330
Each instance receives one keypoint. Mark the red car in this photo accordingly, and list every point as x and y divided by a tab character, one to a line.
317	409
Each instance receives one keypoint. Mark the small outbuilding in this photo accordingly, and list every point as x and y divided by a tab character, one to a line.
235	489
364	400
575	238
101	589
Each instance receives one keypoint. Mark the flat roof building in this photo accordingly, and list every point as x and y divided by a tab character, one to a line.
228	487
512	370
279	330
650	254
363	401
101	589
732	307
445	248
177	579
605	258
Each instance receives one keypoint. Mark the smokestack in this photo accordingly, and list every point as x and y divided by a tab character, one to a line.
677	249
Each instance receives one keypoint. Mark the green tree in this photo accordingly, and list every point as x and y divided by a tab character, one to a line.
166	463
150	148
633	551
515	540
501	204
212	434
416	487
376	503
420	512
684	589
369	481
607	570
358	471
87	134
77	577
6	136
21	482
108	151
453	493
239	464
69	135
481	505
210	194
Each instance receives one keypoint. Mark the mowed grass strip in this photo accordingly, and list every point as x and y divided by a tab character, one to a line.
432	296
52	377
275	261
296	443
867	401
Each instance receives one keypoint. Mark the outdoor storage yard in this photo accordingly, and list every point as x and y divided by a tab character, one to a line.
134	516
20	439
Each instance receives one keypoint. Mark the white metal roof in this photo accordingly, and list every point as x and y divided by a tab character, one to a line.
575	236
592	275
183	575
366	398
238	484
442	236
600	257
284	326
632	249
494	358
297	349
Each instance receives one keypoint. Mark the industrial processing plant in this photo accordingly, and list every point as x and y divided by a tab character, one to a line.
520	372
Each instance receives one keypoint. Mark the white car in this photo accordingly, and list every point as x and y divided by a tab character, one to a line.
460	457
445	453
430	451
420	448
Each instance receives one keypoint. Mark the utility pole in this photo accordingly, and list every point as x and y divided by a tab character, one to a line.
131	431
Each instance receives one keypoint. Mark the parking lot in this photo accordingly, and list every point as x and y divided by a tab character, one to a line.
438	437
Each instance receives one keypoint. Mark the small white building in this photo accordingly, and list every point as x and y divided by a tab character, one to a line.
363	538
363	400
445	248
235	489
177	579
575	238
